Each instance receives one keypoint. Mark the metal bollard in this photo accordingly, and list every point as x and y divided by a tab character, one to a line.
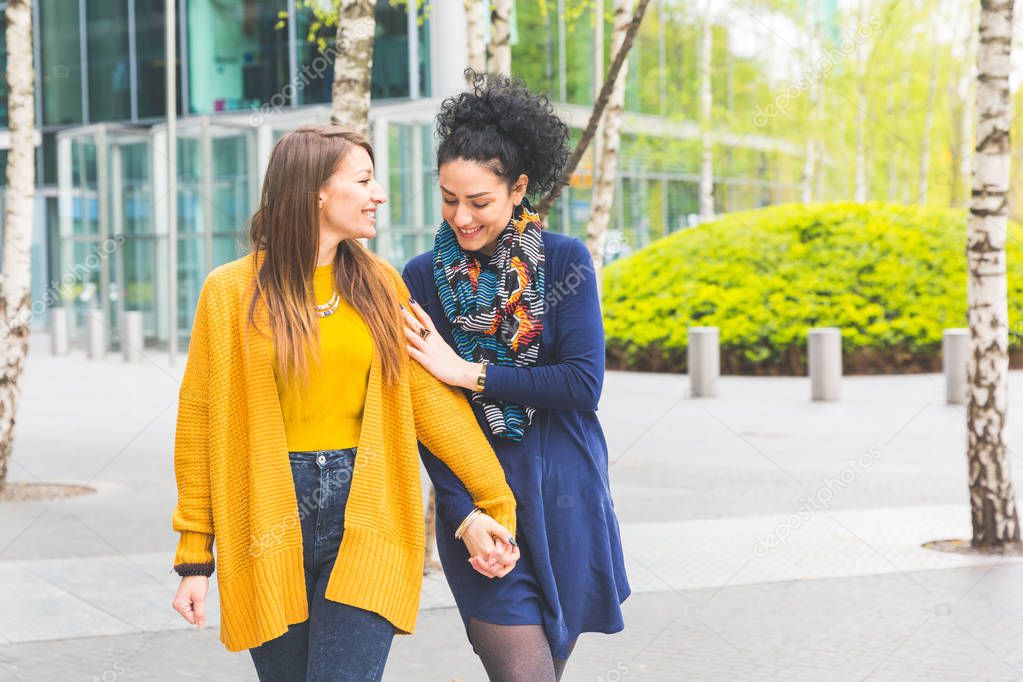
131	336
97	335
58	331
824	362
955	349
703	358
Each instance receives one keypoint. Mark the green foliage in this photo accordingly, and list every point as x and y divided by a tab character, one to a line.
892	277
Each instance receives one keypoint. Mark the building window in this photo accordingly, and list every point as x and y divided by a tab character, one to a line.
390	78
151	54
236	58
109	69
61	60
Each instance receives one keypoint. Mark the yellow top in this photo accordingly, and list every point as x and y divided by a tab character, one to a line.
327	414
235	486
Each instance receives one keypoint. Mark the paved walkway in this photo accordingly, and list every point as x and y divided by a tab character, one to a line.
768	537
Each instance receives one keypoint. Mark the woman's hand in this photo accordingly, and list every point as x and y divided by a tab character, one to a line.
190	601
433	353
491	551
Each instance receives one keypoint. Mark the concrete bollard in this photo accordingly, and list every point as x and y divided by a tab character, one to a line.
703	358
58	331
131	336
955	348
97	335
824	362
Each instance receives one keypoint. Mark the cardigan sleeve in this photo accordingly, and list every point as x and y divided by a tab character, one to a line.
193	514
453	501
575	380
460	461
446	425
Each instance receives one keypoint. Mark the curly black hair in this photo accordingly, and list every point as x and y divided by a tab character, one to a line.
500	124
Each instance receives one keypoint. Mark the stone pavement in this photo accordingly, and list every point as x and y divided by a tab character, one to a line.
767	537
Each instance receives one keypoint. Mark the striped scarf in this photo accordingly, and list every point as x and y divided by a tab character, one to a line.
496	308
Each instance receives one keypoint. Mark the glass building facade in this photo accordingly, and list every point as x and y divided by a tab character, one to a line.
102	241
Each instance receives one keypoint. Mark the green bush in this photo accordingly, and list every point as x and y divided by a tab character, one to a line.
892	277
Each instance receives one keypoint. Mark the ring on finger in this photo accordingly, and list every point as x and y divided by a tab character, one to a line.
424	332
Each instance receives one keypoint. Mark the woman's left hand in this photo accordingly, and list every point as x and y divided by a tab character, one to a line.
433	353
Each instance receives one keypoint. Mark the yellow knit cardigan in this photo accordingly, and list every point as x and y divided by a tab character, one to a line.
235	485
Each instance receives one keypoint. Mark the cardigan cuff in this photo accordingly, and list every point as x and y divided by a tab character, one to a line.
501	510
194	549
185	570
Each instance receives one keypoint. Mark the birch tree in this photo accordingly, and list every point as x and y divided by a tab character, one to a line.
15	292
925	144
475	42
707	155
992	496
499	48
604	181
353	66
598	108
810	151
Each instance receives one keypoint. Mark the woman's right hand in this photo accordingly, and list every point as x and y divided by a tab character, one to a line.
190	601
491	551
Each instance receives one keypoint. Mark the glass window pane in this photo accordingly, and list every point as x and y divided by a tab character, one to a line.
237	59
191	273
60	62
109	72
149	47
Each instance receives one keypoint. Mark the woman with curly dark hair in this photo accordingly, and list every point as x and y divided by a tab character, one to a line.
510	313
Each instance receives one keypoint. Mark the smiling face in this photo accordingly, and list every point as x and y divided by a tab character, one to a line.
477	203
349	198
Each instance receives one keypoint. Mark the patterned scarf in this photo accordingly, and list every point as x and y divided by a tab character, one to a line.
496	307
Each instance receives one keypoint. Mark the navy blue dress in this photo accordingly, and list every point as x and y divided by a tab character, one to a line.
571	575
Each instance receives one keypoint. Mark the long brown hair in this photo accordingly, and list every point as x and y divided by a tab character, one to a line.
285	231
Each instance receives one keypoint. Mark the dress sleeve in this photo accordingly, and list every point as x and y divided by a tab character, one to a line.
575	380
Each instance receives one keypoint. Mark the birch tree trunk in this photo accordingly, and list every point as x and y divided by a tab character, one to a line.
474	39
353	67
598	109
15	293
707	160
992	496
967	124
860	189
604	180
810	152
925	144
499	49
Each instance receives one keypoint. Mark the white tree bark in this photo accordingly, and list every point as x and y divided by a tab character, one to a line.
810	152
925	143
499	49
992	496
707	160
15	294
860	189
604	180
475	42
353	67
968	95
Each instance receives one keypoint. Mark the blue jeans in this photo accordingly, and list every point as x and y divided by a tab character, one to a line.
338	642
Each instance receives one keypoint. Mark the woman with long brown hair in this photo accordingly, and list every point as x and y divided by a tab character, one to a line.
298	419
